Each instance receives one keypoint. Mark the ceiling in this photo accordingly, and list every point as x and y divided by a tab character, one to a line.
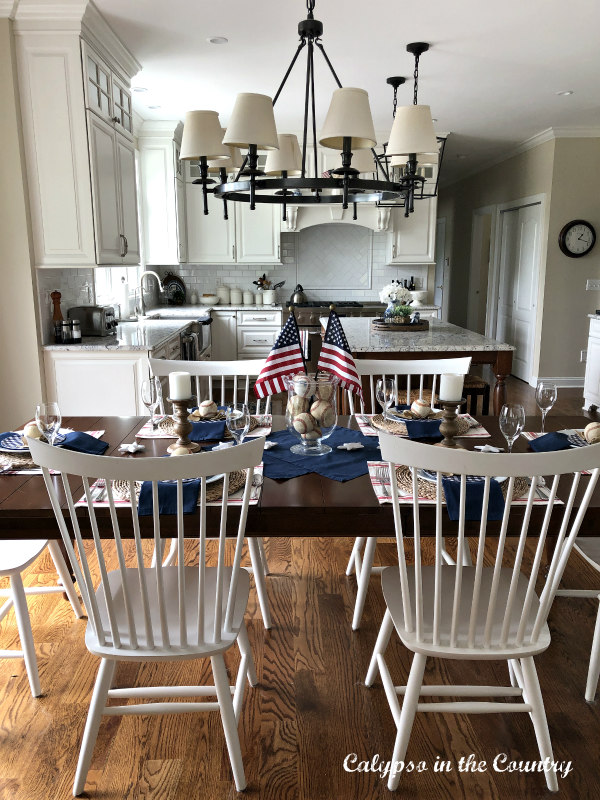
491	76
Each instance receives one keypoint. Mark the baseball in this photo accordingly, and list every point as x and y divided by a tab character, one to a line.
312	435
301	385
591	433
32	431
304	423
323	412
207	409
297	405
324	390
180	451
420	408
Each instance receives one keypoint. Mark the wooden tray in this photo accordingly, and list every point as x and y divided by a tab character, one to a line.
379	324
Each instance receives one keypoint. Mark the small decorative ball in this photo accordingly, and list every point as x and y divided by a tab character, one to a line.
180	451
208	409
303	423
312	435
591	433
324	390
32	431
297	405
323	412
421	408
301	385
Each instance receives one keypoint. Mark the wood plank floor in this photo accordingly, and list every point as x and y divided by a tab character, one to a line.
310	709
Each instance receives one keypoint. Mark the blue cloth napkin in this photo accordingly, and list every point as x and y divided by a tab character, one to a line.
402	407
339	465
474	499
424	429
84	443
549	442
207	431
167	497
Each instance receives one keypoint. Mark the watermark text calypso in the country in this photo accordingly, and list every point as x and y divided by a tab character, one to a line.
502	762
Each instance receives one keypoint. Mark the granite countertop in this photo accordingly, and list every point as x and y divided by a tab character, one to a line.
146	335
193	312
441	336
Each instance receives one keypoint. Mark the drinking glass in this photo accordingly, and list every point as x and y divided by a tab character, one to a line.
238	421
545	397
48	419
512	422
151	397
385	392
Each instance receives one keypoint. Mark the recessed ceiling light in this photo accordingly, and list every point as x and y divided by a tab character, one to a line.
139	89
153	107
217	40
434	119
566	94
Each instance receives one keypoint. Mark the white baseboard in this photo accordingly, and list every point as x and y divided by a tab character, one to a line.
561	383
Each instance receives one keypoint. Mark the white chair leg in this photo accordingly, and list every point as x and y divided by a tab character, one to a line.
25	633
594	669
259	581
358	543
538	716
446	555
171	555
246	650
263	556
407	716
65	577
90	733
383	638
228	719
363	582
511	674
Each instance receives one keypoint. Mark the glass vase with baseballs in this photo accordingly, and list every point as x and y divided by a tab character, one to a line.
311	412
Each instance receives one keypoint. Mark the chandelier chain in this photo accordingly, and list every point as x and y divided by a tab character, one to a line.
395	106
310	5
416	77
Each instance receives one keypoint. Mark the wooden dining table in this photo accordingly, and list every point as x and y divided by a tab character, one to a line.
305	506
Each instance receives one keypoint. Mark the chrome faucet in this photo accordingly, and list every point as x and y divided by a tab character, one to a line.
160	286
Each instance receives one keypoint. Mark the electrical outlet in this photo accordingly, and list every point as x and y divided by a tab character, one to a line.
583	357
592	284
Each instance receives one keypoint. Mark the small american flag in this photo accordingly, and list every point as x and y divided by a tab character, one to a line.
336	356
284	359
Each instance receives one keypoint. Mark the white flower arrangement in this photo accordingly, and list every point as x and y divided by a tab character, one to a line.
395	292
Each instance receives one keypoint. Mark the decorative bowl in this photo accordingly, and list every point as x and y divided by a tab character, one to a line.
209	299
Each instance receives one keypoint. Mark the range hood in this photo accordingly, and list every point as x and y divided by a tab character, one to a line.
368	216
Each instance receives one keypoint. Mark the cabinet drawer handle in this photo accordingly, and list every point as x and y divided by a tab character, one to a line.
259	319
122	238
126	246
261	340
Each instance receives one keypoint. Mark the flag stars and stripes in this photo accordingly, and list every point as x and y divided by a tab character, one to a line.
336	356
284	359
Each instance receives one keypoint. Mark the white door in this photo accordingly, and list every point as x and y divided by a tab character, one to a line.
517	292
128	198
258	233
107	229
441	278
210	238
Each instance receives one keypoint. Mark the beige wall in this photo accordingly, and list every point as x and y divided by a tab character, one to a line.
19	359
575	195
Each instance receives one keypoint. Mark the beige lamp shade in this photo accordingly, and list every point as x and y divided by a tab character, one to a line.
252	122
412	132
233	158
349	115
424	160
363	161
202	136
288	157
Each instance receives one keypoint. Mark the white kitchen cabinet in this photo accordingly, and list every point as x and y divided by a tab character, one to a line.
258	233
257	332
591	388
180	215
412	238
56	81
223	335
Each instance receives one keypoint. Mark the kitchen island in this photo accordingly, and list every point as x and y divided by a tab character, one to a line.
442	339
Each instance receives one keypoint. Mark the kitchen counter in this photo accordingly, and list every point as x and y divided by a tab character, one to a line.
147	335
193	312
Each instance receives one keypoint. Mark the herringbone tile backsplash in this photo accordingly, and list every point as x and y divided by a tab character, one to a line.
335	256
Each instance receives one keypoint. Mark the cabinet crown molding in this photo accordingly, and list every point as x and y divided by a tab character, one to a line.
39	15
160	128
98	33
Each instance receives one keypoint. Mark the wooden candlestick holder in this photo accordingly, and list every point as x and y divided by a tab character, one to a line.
449	425
182	426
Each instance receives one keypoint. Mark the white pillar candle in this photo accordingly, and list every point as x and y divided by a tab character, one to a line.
180	386
451	386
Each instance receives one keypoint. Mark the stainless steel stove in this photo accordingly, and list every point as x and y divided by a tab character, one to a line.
307	314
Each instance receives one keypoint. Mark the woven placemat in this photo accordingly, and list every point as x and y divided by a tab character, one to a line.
214	491
14	461
377	421
167	425
427	489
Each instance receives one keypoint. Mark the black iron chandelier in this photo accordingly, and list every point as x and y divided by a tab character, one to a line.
348	128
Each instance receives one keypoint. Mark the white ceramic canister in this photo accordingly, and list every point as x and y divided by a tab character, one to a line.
248	298
223	295
269	297
258	299
235	297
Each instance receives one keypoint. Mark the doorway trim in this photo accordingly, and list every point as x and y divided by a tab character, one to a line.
484	211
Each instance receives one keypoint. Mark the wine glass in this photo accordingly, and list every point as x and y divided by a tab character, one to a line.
545	397
48	419
512	422
151	397
385	392
237	419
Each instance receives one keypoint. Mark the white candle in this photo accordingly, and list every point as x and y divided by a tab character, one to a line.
451	386
180	386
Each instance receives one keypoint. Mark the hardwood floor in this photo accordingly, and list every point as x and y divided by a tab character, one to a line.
310	709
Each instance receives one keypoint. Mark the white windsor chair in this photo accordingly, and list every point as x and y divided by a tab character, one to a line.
15	557
416	372
158	613
218	374
475	612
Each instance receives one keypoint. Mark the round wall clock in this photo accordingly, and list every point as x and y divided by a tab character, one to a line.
577	238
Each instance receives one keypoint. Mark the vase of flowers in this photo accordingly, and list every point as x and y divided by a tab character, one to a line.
398	299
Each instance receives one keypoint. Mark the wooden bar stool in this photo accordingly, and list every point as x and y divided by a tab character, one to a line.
476	387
